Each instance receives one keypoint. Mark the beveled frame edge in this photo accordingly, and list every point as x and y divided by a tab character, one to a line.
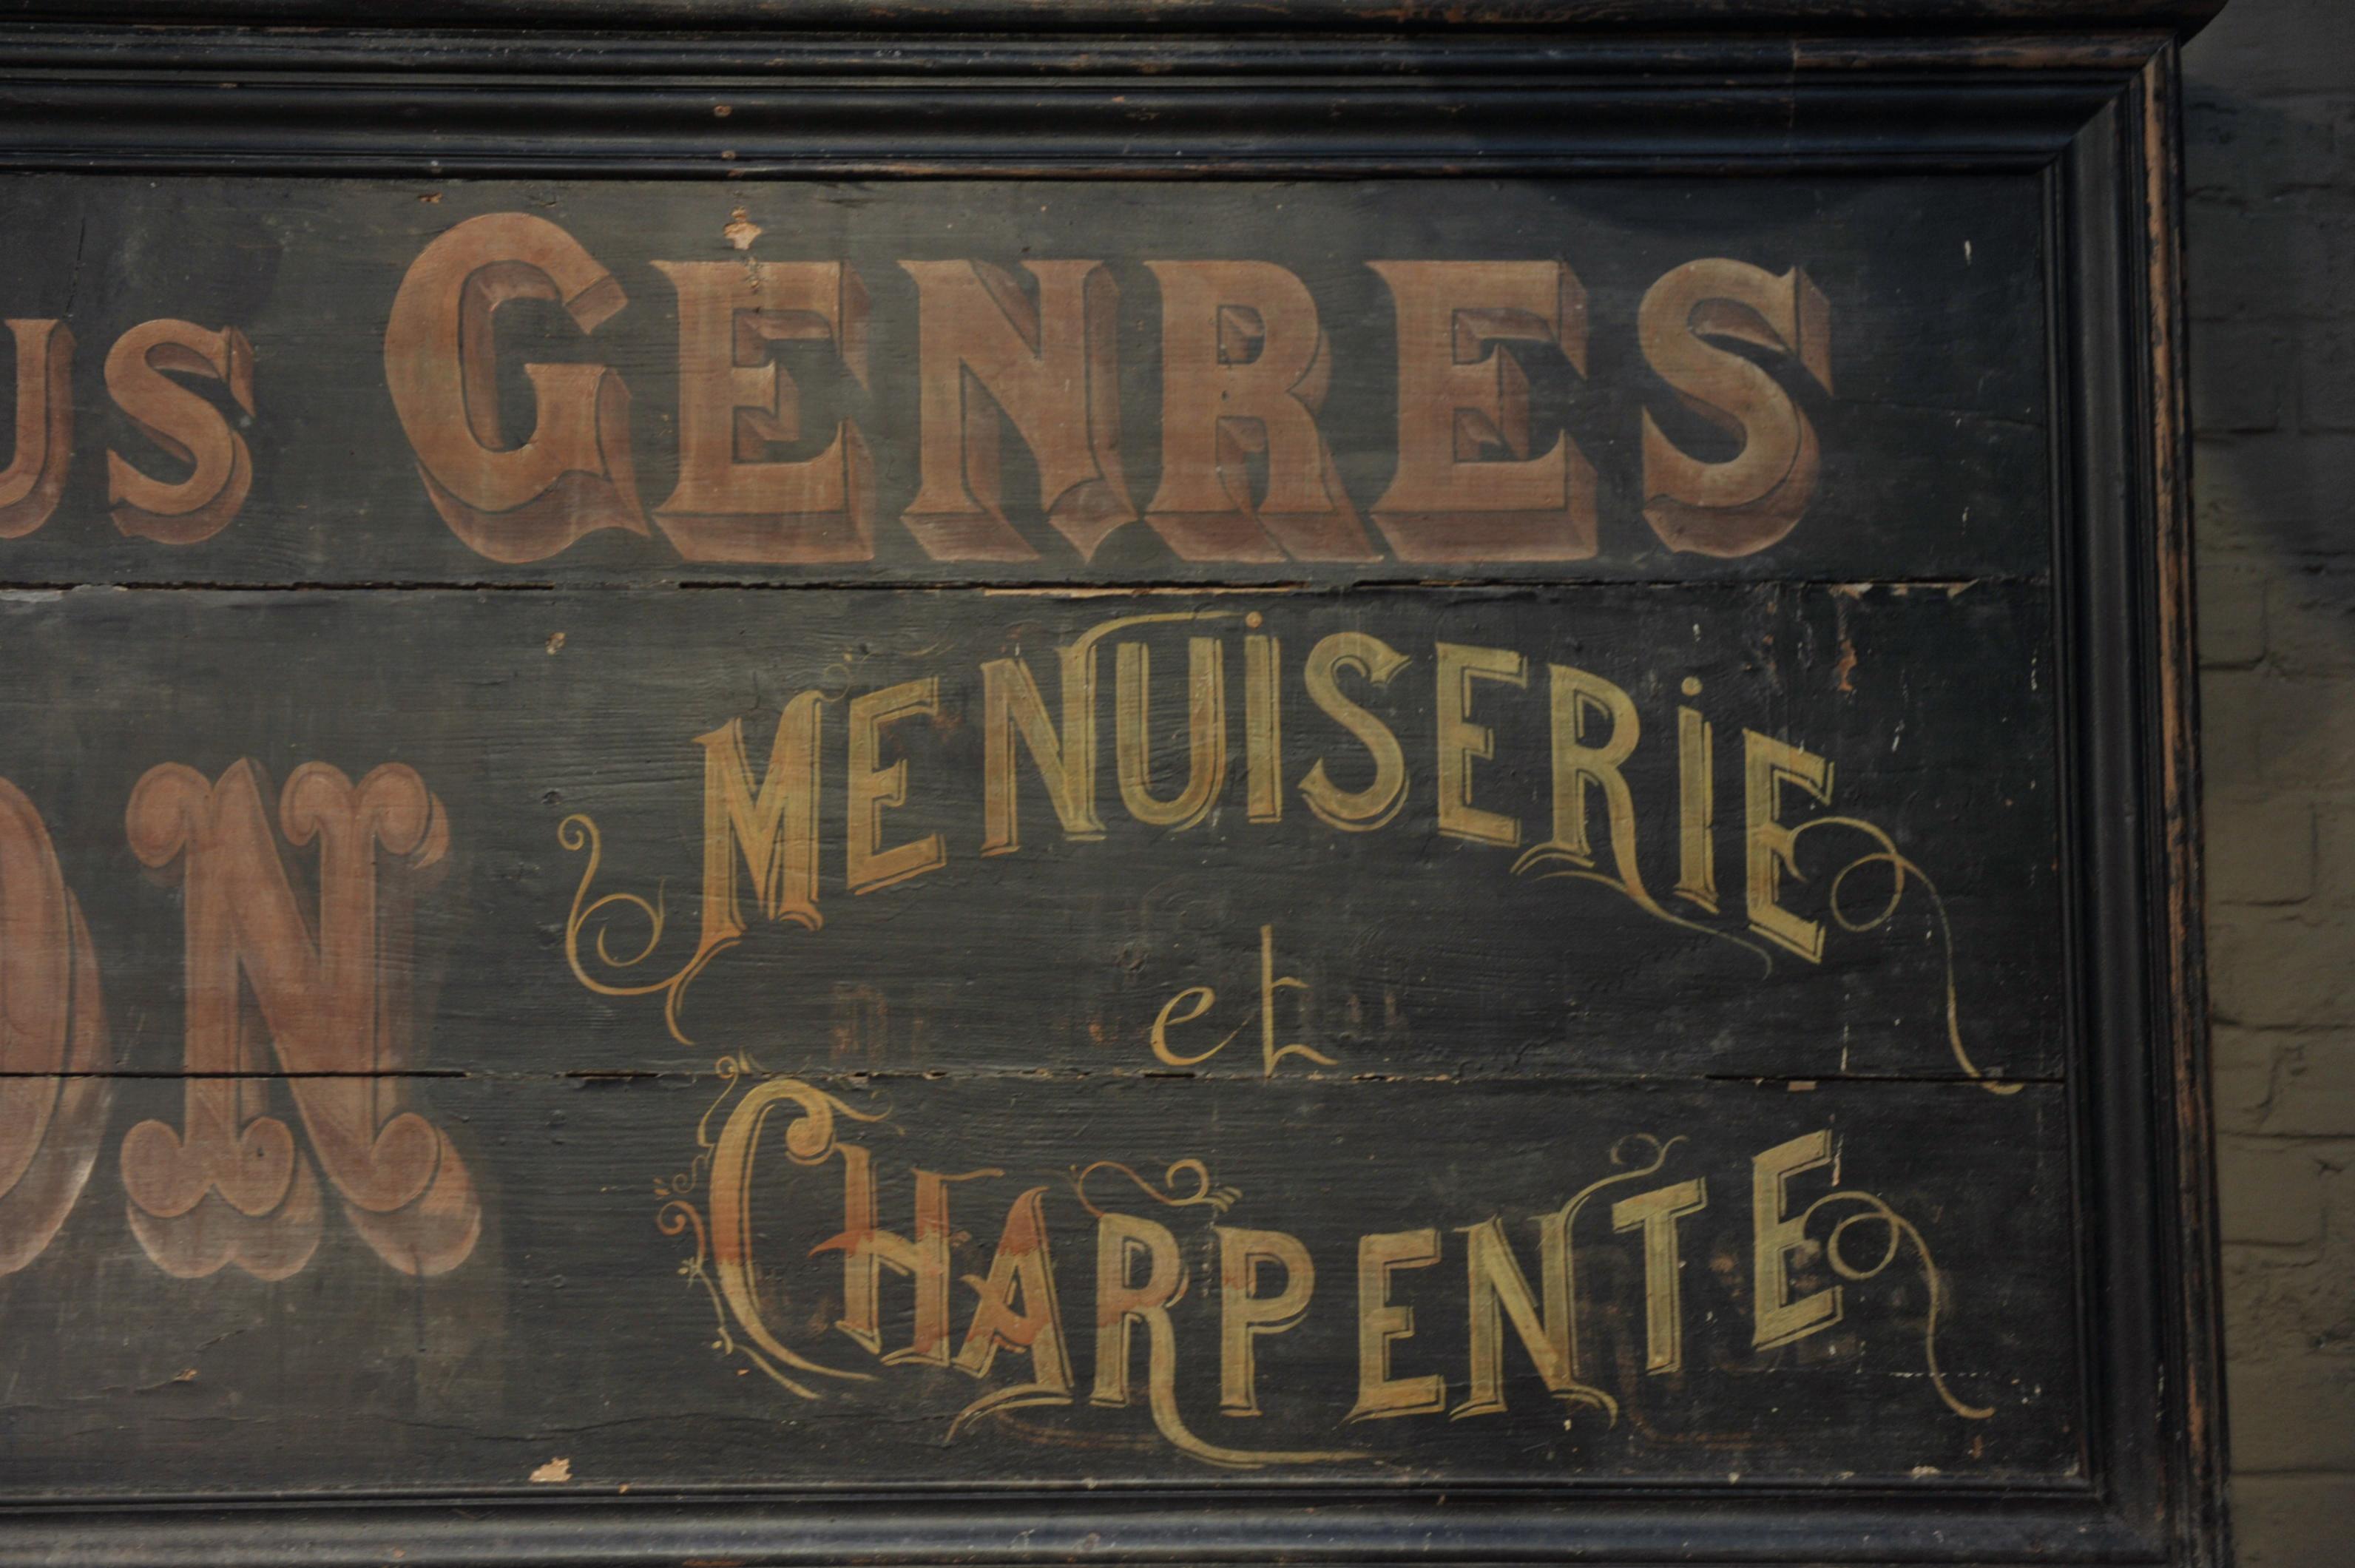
2125	618
1169	15
2098	118
451	105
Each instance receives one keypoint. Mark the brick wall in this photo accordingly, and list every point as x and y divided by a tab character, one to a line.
2271	125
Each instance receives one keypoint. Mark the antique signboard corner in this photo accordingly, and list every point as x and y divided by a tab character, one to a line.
1227	782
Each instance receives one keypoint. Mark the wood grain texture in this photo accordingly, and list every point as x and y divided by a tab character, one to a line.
456	1006
576	1335
1429	952
1931	435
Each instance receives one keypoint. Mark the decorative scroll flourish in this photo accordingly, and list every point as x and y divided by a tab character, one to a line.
1898	1230
729	1070
1549	862
1900	870
761	841
577	832
1218	1199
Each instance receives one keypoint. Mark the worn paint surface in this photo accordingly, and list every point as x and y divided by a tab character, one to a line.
826	834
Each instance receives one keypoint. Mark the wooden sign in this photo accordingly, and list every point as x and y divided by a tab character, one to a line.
1318	794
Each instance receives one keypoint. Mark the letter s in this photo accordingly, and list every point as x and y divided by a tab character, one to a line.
1747	503
189	510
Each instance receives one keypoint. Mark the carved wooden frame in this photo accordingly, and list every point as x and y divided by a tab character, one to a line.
2080	96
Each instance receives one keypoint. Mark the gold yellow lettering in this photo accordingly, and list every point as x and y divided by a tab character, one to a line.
1244	1313
1767	764
808	1141
1655	1214
1206	733
867	1250
1263	728
1198	1000
1271	984
1120	1238
873	790
1382	1322
1779	1320
1067	763
1355	811
1460	741
1574	696
777	826
1499	1291
1696	806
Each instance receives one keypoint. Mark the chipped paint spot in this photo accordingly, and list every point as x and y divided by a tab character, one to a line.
740	231
554	1473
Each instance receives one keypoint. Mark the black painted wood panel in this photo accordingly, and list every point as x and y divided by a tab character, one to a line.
1317	786
595	1330
1922	384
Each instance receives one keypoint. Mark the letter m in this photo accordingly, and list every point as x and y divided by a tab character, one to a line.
774	822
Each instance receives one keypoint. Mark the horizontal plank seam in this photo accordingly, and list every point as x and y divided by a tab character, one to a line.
1074	589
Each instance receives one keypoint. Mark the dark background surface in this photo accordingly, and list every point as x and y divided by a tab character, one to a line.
2117	1463
1494	1036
